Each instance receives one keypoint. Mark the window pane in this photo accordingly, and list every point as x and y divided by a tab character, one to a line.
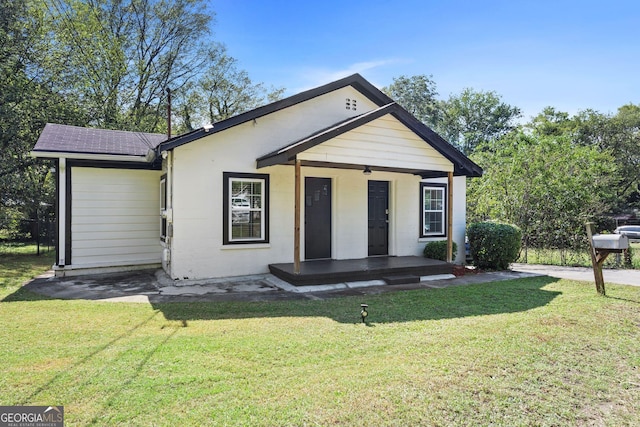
246	209
433	213
163	194
435	222
248	226
163	207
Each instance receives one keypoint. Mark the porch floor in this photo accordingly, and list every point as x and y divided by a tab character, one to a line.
319	272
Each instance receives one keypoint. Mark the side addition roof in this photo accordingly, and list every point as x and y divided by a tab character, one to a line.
73	141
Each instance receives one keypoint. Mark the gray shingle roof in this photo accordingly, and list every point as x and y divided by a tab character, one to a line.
74	139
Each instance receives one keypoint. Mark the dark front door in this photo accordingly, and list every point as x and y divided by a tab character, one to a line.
378	218
317	218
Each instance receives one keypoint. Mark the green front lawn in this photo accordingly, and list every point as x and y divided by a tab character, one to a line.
535	351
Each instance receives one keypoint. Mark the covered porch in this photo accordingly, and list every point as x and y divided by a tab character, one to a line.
381	142
391	269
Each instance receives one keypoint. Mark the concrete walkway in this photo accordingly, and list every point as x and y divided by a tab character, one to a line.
618	276
151	286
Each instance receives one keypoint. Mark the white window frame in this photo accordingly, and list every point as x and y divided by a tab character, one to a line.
442	189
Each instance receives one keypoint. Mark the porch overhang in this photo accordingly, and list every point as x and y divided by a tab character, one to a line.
361	166
307	153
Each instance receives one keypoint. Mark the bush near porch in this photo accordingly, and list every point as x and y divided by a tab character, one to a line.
494	245
438	250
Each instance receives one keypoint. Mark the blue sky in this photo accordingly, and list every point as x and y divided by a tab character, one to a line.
571	55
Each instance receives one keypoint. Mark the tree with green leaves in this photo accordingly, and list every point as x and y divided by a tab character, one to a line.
549	186
465	120
417	95
223	90
104	63
475	117
551	122
618	134
120	56
26	104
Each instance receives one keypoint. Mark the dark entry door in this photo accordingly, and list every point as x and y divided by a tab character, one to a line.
378	218
317	218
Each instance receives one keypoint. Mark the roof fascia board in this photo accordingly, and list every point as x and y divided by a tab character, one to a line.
113	164
177	141
91	156
462	164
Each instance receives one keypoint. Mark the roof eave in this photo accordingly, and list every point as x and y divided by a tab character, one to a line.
149	158
462	165
356	80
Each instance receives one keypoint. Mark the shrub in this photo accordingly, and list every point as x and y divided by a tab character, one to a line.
438	250
494	245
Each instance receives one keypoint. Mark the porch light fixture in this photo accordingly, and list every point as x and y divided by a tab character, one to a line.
363	311
366	170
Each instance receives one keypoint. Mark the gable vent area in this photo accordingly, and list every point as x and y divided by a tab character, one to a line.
351	104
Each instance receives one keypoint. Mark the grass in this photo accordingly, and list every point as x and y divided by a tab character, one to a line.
575	258
19	263
535	351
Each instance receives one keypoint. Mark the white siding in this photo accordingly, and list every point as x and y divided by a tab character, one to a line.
114	217
383	142
197	249
459	214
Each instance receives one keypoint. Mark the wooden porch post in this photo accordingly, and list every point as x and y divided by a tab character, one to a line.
296	226
450	217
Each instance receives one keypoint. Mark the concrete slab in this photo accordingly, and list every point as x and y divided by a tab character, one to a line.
153	286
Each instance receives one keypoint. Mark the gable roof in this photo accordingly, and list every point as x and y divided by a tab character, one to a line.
356	81
461	163
86	143
57	139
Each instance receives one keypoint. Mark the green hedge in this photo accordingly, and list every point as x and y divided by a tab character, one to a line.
494	245
438	250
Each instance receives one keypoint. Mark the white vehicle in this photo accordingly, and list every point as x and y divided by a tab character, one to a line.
240	210
240	203
631	231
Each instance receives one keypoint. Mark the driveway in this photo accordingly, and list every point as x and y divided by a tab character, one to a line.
618	276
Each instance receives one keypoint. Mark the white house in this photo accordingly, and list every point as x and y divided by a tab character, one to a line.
338	172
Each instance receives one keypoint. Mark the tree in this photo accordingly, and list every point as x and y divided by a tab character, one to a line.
417	95
465	120
619	134
546	185
26	104
119	56
222	91
103	63
472	118
551	122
